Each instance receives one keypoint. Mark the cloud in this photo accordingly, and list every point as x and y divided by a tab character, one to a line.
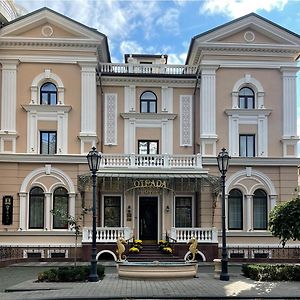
131	47
237	8
169	21
176	59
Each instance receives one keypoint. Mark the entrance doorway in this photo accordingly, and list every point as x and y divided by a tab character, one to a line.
148	210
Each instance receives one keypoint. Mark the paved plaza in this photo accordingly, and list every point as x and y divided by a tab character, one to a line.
18	282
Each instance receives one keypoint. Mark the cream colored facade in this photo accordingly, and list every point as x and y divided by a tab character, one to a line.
197	111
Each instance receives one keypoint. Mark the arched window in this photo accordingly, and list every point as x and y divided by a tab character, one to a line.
48	95
60	208
36	208
246	98
260	209
235	210
148	102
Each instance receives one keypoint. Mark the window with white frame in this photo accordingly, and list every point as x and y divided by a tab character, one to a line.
48	140
148	102
235	210
260	210
246	98
36	208
48	94
60	208
112	211
247	145
183	211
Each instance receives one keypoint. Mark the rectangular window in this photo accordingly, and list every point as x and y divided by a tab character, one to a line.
235	213
112	211
247	145
148	147
48	142
259	213
36	212
183	212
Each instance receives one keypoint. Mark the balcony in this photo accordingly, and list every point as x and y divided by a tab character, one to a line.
163	161
148	69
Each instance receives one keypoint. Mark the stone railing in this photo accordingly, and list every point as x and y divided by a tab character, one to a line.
119	68
153	161
203	235
106	234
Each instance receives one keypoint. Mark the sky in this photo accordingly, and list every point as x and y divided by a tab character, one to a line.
166	27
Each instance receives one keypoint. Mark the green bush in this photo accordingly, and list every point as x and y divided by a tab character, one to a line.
266	272
69	274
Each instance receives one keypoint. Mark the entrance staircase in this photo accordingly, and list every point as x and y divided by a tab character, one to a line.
151	252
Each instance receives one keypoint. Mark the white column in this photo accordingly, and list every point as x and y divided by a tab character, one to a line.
9	95
289	102
248	223
129	98
48	215
262	128
208	102
62	133
233	135
129	136
167	99
23	211
273	201
32	138
88	99
167	136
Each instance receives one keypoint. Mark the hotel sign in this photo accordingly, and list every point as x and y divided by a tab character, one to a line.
7	210
149	186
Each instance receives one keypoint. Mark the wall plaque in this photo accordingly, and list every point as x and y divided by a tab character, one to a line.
7	210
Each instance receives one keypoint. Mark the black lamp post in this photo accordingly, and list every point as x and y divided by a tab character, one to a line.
94	158
223	160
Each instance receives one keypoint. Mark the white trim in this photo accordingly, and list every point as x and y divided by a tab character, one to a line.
186	120
261	178
110	118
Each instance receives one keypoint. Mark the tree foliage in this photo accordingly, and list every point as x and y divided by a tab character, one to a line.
285	221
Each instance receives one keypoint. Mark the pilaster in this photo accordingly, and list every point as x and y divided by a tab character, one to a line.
208	135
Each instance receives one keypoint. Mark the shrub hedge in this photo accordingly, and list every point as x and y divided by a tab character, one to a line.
69	274
277	272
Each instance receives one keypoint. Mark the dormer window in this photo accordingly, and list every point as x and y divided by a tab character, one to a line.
246	98
48	94
148	102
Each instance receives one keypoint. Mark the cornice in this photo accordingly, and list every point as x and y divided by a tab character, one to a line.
51	59
248	112
46	108
255	161
148	116
120	80
49	44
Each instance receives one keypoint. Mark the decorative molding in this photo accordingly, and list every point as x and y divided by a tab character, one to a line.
186	120
148	116
110	119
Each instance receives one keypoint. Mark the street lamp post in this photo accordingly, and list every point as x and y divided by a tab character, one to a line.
223	160
94	158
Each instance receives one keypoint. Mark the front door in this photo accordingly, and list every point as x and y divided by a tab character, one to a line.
148	218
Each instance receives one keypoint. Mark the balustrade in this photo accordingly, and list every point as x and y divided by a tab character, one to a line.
119	68
106	234
204	235
161	161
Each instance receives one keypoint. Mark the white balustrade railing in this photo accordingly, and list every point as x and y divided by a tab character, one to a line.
203	235
106	234
156	161
119	68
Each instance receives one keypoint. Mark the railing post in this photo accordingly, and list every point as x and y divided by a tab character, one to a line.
132	160
214	236
199	160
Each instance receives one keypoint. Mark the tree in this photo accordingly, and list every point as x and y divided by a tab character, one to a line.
285	221
73	223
